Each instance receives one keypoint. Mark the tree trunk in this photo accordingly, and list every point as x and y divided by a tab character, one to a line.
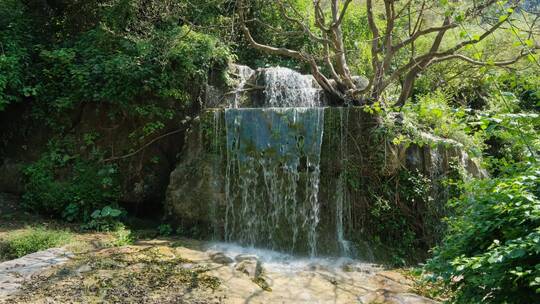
406	88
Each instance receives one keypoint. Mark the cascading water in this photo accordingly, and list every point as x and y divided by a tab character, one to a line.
287	88
341	196
215	171
272	166
272	181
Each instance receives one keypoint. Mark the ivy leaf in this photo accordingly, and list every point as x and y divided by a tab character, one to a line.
517	253
106	211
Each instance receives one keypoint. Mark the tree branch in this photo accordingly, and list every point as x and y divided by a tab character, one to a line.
263	47
477	62
339	20
298	22
141	148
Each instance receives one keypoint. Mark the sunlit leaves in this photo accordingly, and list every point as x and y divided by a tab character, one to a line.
494	241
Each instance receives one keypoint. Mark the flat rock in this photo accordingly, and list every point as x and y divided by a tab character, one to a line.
388	297
396	277
13	273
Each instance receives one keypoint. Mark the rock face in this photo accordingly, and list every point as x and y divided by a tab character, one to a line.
271	166
144	176
240	181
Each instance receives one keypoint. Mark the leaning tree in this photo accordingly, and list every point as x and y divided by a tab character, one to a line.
396	29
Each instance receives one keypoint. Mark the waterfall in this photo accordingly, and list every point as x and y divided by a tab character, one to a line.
287	88
272	177
216	165
272	166
342	201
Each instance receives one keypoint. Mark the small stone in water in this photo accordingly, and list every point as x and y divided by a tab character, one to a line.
246	257
251	268
220	258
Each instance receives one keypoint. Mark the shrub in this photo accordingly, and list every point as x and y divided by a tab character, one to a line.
165	230
32	240
106	219
14	53
491	253
433	114
61	185
122	237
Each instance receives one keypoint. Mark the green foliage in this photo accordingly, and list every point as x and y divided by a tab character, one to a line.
165	229
122	237
106	219
512	139
14	53
147	78
433	114
398	211
131	59
491	253
525	86
32	240
62	185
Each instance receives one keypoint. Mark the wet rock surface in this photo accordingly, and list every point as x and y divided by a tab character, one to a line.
246	257
220	258
251	268
157	272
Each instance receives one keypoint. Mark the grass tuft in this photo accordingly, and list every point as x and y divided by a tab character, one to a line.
30	240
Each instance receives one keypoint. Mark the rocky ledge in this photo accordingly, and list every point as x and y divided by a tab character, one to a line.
185	272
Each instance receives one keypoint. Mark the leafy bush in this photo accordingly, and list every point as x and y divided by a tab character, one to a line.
526	86
491	253
433	114
64	186
165	230
106	219
14	53
32	240
143	77
122	237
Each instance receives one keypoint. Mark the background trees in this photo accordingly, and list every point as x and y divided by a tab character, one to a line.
405	38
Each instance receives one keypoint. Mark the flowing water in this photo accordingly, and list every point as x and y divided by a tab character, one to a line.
287	88
287	263
272	177
343	208
273	167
